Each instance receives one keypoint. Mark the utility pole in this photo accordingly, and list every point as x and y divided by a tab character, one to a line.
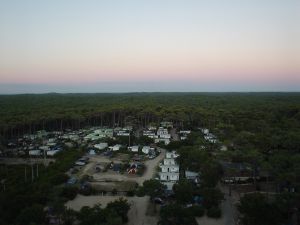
32	176
129	140
45	155
25	174
37	170
3	183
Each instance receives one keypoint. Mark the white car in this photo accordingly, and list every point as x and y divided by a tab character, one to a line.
79	163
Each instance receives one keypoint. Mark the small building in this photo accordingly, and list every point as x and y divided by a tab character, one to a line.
165	141
169	174
204	130
92	152
52	152
115	147
162	132
223	148
101	146
134	148
35	152
150	134
184	134
123	133
44	148
146	149
166	124
190	175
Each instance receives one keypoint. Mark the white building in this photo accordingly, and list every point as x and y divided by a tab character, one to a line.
204	130
149	133
166	124
169	174
146	149
184	134
166	141
101	146
161	132
115	147
44	148
52	152
134	148
123	133
35	152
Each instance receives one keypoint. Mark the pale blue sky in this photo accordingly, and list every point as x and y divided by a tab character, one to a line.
212	45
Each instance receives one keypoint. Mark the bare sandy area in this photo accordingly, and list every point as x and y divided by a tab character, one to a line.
151	166
150	170
136	214
139	205
229	211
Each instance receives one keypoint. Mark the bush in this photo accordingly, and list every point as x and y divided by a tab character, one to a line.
69	192
86	190
130	193
58	178
33	214
140	192
114	191
214	212
197	210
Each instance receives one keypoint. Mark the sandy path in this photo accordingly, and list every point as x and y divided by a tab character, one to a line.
229	211
136	214
151	167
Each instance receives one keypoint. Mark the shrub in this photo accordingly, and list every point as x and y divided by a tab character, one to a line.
69	192
197	210
130	193
214	212
140	192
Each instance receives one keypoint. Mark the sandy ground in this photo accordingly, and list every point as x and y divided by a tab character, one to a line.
150	170
174	134
139	205
151	166
229	211
136	214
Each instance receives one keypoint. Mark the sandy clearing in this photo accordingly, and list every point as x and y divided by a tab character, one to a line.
139	205
151	167
113	176
229	211
136	214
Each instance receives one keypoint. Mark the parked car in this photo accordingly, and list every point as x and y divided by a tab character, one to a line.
79	163
158	201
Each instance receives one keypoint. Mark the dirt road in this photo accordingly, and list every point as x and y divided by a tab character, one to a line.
151	166
229	211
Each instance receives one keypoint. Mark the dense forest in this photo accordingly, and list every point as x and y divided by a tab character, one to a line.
21	114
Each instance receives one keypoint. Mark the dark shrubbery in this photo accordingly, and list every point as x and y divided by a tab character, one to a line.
69	192
197	211
214	212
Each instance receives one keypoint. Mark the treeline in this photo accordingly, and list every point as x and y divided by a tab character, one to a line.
21	114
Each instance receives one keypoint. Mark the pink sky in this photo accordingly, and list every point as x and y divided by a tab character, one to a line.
72	42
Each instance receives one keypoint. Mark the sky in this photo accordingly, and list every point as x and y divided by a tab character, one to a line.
149	45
